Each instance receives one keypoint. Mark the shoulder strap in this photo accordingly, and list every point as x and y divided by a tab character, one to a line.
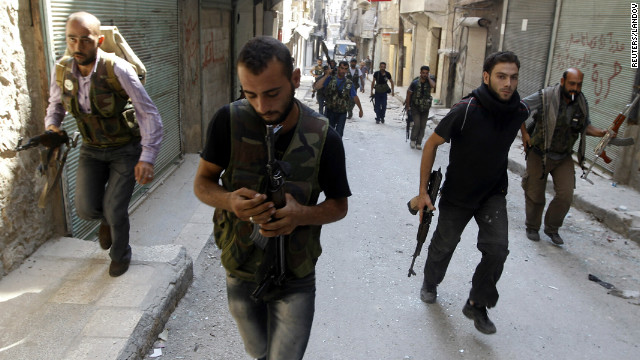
61	67
465	113
112	79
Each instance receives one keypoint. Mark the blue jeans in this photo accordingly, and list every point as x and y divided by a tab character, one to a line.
104	185
380	105
336	120
279	327
493	243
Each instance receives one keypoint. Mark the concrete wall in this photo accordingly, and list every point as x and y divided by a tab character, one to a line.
190	77
23	226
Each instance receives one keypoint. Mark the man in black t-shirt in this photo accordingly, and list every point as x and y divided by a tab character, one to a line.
481	129
277	324
381	88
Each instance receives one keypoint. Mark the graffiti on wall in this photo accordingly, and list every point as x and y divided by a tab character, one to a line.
578	50
191	48
208	55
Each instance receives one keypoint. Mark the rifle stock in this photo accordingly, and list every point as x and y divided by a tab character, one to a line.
423	230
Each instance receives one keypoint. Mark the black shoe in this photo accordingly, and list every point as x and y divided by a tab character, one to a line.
118	268
104	236
480	318
377	121
382	121
429	294
555	237
533	235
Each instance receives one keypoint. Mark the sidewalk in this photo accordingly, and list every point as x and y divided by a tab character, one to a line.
617	206
62	304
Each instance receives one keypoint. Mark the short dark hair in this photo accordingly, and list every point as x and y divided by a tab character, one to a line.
343	62
258	52
354	60
424	67
382	62
500	57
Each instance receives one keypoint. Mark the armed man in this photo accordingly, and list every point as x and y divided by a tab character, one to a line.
481	129
560	115
275	323
418	101
115	153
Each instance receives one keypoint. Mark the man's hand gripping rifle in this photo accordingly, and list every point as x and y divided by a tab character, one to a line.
272	269
432	190
610	139
51	140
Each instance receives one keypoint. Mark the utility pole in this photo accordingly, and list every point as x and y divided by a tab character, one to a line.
400	47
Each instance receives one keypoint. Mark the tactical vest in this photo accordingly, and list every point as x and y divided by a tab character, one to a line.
565	134
111	121
247	168
421	97
338	100
317	70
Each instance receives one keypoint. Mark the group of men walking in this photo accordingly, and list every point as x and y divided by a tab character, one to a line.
233	178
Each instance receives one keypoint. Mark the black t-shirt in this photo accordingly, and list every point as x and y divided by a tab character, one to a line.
332	175
381	79
479	152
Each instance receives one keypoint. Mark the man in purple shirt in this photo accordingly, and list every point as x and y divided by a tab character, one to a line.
118	149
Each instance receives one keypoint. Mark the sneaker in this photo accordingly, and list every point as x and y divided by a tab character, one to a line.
118	268
533	235
419	146
429	294
412	144
480	318
555	237
104	236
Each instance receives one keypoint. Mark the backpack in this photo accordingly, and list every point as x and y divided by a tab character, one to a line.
115	43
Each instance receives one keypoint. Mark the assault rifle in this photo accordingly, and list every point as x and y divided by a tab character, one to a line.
272	269
432	190
408	120
51	140
608	139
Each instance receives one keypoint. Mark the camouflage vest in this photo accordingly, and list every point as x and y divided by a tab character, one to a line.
356	82
338	100
421	97
111	121
565	134
247	168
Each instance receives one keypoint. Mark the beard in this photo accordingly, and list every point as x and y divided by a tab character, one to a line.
88	58
284	114
571	95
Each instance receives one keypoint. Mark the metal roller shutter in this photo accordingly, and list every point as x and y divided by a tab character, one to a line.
596	40
528	35
151	29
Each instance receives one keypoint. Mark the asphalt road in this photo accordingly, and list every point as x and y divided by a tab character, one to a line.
367	307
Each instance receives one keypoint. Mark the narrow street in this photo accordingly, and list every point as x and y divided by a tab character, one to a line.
367	307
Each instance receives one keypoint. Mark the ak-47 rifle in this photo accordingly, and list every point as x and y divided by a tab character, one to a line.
409	120
272	269
608	139
51	140
432	190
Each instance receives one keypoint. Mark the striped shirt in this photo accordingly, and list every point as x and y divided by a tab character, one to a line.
147	114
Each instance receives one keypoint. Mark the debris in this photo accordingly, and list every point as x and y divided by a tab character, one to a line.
605	284
553	287
164	335
156	353
621	208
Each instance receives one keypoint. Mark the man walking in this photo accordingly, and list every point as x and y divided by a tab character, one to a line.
115	152
381	87
278	325
354	75
339	92
560	117
481	129
418	101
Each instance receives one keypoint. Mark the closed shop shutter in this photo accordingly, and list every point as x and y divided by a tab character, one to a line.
594	37
151	29
528	34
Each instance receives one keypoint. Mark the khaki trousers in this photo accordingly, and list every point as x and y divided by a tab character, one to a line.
564	182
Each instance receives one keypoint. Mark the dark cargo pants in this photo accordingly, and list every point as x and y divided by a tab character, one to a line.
564	182
493	243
